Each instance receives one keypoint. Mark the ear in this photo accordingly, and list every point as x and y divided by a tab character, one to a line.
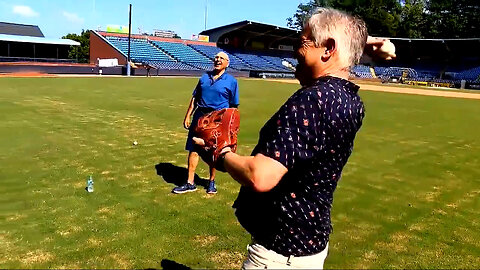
330	48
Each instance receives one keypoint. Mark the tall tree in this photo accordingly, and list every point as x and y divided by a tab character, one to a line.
454	19
304	10
413	22
80	53
405	18
381	16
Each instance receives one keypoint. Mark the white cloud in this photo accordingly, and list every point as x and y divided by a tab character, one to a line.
25	11
72	17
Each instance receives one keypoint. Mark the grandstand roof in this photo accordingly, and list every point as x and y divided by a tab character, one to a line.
37	40
252	29
20	29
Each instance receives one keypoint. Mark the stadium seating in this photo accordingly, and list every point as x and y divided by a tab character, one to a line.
174	55
181	56
182	52
256	62
211	51
140	50
170	65
469	75
292	61
277	62
385	73
361	71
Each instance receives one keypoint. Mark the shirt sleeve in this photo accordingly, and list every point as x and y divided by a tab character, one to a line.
197	90
291	135
234	100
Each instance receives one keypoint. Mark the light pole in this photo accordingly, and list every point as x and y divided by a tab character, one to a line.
129	33
206	14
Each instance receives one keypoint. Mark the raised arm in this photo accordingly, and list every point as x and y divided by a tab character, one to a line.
380	48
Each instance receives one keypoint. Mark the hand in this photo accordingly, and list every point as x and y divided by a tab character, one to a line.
186	122
380	48
198	141
216	131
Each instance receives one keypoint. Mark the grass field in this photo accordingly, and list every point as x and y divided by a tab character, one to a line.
409	196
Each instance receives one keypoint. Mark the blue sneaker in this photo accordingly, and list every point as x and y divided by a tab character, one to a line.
185	188
211	188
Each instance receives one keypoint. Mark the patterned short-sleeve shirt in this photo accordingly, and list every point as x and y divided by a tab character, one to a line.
312	135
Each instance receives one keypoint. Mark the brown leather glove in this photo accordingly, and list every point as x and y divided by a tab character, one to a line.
218	130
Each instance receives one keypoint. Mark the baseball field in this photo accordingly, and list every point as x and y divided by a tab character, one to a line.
409	196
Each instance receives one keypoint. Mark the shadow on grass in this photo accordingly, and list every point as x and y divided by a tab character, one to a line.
171	265
177	175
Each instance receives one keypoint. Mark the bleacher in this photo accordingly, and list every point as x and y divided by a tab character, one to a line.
140	50
183	53
211	51
469	75
170	65
361	71
166	55
256	62
277	62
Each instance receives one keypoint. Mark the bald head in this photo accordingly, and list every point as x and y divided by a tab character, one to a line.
223	55
221	61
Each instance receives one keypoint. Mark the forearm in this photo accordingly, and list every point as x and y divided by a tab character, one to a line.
258	172
239	167
191	107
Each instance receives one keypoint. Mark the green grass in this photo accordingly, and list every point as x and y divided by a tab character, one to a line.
408	198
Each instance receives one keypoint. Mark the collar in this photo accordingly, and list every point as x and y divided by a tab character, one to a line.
211	74
349	86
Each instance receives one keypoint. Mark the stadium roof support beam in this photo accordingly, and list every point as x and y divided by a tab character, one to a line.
255	34
280	38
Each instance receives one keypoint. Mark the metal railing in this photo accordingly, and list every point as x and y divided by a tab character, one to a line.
30	59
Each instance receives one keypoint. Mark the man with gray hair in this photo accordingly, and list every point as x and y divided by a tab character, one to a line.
215	90
287	183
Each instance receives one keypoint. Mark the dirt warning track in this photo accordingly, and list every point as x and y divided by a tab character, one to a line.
406	90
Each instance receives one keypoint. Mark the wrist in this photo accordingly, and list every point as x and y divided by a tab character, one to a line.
220	162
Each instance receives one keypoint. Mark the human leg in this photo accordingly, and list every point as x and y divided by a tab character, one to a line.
192	166
212	189
260	257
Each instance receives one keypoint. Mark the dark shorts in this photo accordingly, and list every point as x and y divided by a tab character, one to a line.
199	112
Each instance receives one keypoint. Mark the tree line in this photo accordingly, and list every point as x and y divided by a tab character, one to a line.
405	18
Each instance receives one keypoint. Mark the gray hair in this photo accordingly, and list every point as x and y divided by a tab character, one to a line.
350	33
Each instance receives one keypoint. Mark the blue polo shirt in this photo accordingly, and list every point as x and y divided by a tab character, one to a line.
217	95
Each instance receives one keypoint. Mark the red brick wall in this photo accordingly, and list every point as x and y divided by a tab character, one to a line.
101	49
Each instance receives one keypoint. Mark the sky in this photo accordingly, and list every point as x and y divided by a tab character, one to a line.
56	18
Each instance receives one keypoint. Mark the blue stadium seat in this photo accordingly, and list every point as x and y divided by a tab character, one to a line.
211	51
469	75
140	50
361	71
182	52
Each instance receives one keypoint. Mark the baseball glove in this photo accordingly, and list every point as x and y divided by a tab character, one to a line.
218	130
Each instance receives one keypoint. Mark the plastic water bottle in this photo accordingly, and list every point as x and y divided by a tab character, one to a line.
90	184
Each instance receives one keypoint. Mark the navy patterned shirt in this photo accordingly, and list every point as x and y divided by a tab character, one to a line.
312	136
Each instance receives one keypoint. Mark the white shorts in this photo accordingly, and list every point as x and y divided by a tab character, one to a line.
260	257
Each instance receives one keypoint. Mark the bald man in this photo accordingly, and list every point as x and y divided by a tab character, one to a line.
215	90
